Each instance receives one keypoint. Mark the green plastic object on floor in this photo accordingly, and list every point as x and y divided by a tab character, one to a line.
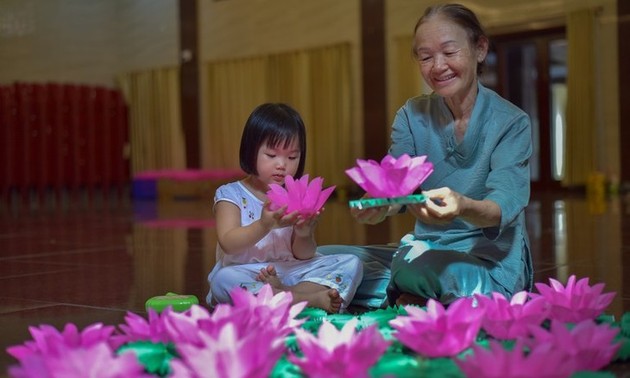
178	302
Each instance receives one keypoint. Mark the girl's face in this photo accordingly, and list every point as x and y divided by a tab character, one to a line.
447	60
275	163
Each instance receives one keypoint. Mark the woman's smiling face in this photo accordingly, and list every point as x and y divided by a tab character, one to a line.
448	60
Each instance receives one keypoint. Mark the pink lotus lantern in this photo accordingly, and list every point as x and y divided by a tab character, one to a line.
590	346
71	353
46	339
244	339
437	332
137	328
576	302
511	319
392	177
275	312
247	314
230	354
299	195
541	361
94	361
341	354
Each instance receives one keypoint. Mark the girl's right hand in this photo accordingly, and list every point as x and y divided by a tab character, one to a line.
277	218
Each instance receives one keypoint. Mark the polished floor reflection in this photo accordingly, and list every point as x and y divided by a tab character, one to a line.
94	261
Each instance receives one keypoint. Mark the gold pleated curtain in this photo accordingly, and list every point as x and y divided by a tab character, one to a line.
409	80
316	82
580	134
156	133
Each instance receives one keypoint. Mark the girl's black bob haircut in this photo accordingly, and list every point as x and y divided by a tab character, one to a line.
274	124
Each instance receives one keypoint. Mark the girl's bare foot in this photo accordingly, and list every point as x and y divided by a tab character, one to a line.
335	300
314	294
269	276
265	272
326	299
410	299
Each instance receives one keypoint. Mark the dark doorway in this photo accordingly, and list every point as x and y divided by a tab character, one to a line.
529	69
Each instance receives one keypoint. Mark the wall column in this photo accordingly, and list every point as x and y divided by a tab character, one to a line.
189	80
189	104
374	80
623	17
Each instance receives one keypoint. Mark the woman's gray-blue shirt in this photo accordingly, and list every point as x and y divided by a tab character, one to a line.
491	163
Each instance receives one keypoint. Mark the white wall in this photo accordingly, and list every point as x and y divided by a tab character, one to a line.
84	41
147	34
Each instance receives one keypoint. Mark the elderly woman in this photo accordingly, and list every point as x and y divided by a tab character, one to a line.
470	237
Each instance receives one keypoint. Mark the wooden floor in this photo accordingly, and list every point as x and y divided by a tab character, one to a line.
92	261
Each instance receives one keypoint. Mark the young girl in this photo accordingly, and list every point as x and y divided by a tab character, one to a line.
259	246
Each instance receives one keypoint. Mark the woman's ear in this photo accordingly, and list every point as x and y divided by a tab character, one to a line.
482	49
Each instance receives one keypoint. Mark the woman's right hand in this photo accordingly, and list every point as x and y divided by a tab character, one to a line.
441	208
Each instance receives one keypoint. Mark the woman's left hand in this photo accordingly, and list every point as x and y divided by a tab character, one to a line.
443	205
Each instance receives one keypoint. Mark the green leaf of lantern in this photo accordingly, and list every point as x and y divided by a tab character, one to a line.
155	357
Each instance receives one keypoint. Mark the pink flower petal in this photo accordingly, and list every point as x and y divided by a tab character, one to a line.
312	193
277	196
294	193
323	197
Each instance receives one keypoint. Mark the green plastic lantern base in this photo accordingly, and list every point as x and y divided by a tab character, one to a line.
365	203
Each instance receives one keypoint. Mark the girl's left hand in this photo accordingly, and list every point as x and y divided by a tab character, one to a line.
305	226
